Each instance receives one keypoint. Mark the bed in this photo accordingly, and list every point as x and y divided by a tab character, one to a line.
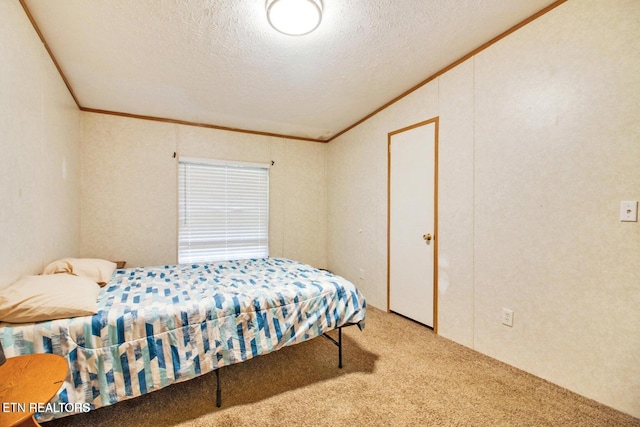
160	325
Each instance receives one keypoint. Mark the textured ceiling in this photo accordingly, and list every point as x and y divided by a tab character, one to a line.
218	62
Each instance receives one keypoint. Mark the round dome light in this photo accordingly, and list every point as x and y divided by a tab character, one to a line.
294	17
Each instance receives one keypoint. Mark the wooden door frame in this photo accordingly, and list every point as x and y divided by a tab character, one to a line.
436	121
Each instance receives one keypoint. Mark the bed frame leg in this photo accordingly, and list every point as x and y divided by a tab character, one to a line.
338	342
218	389
340	347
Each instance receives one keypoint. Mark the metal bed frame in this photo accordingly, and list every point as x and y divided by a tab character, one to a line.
337	343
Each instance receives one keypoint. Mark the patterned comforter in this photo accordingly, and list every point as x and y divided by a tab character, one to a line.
161	325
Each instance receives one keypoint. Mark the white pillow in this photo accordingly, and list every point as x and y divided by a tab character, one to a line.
36	298
98	270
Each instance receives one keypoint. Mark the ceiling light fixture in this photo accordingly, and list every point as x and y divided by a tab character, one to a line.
294	17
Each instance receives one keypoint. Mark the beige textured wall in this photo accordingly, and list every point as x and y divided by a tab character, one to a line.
129	187
40	162
539	143
557	148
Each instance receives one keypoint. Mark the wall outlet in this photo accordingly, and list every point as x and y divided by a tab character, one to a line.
361	274
507	317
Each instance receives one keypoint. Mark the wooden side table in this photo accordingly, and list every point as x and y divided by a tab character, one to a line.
25	382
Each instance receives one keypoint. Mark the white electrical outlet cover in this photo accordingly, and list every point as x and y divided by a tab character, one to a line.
507	317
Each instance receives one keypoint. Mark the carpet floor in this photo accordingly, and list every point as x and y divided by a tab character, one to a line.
396	373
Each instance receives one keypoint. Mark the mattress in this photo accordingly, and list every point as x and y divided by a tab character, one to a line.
156	326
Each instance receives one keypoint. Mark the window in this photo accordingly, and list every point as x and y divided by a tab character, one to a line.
223	210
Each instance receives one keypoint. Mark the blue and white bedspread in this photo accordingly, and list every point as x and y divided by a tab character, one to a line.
161	325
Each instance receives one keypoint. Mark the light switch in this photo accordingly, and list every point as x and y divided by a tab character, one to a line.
629	210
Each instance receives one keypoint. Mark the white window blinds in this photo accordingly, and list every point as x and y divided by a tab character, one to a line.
223	210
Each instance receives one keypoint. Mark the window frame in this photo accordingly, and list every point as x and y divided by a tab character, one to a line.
191	250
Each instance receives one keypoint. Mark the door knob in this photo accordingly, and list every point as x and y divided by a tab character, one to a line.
427	237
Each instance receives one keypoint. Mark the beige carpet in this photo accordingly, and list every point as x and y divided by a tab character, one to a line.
396	373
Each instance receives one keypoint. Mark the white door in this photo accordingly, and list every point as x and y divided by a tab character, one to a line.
412	221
